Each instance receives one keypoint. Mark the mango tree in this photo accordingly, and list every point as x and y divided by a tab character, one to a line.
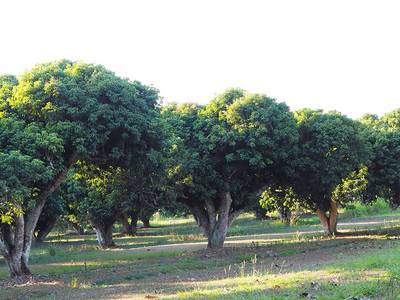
52	116
331	147
384	170
53	209
280	199
226	153
118	194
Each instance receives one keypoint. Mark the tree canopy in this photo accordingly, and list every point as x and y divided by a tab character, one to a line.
227	152
217	159
52	116
331	147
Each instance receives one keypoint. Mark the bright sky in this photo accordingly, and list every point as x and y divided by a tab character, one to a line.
342	55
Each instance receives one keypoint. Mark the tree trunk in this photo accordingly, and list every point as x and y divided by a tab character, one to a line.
130	228
284	215
218	233
329	223
394	203
12	246
215	223
79	229
43	232
146	221
16	241
104	235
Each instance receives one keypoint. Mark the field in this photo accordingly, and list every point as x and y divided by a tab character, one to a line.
260	260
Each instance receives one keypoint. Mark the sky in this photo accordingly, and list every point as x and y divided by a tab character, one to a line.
318	54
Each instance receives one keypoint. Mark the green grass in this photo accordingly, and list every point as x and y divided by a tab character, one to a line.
360	210
366	266
382	258
293	286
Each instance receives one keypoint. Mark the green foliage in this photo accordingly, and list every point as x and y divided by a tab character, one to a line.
54	115
60	108
391	121
85	105
247	131
16	172
7	83
371	121
239	136
383	177
98	196
352	188
52	249
331	147
279	198
360	209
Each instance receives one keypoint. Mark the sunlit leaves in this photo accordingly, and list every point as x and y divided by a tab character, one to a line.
251	129
392	120
61	108
278	198
92	103
353	187
17	171
249	135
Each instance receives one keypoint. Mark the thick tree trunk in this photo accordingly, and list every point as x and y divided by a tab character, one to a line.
16	241
12	246
104	235
44	231
130	228
329	223
220	225
215	228
218	233
216	223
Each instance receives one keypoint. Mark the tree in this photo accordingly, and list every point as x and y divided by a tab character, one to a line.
58	113
53	209
119	193
100	201
16	170
331	147
281	199
384	170
227	152
391	121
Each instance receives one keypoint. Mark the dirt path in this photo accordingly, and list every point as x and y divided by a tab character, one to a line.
246	241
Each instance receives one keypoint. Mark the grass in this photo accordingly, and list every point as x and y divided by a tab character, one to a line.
273	262
360	210
294	285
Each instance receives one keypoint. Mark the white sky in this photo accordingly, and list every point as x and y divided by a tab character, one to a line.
342	55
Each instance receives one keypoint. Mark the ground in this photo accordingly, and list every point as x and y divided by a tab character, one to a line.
196	266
